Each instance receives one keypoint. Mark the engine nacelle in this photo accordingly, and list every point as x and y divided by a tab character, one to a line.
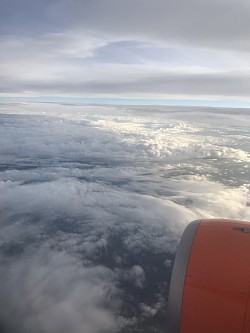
210	283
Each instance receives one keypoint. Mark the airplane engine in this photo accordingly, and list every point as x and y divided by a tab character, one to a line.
210	283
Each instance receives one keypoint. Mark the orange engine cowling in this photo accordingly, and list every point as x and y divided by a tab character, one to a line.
210	284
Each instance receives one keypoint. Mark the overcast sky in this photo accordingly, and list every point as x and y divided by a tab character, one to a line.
150	49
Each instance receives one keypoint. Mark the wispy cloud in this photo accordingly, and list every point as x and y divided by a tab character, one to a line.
118	49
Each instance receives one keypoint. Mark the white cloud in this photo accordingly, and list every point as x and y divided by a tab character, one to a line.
138	275
223	24
126	49
46	58
52	292
87	63
94	200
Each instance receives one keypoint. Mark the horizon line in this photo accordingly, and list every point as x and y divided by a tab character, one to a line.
228	103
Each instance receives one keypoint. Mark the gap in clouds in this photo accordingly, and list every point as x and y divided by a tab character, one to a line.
93	202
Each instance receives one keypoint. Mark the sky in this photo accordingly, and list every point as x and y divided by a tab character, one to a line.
135	51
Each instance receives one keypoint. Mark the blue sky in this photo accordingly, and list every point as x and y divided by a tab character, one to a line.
132	52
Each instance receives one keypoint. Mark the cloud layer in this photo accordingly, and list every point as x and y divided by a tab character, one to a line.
93	202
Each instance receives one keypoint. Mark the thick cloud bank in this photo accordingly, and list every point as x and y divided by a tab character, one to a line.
93	203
